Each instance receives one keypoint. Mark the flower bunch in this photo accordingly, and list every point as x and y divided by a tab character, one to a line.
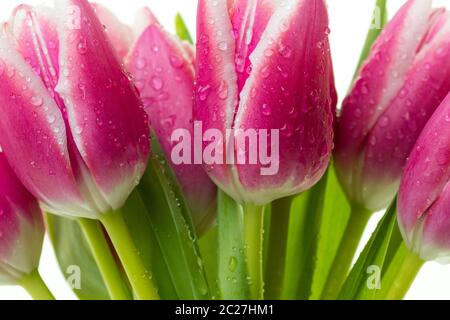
224	168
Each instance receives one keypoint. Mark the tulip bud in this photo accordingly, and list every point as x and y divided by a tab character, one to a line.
21	228
164	74
264	96
424	196
72	125
403	81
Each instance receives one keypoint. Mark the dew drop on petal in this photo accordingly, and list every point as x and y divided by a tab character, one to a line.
36	101
157	83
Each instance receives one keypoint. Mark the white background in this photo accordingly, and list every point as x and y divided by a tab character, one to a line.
349	23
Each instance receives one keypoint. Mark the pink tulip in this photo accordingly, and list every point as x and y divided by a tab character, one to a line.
163	69
424	196
156	73
72	124
405	78
265	65
21	228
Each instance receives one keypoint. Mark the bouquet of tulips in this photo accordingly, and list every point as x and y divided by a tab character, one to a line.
160	170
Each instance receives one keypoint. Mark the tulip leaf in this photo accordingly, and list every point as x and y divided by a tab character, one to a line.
232	266
208	249
182	30
303	239
379	20
335	215
136	217
73	255
364	279
169	219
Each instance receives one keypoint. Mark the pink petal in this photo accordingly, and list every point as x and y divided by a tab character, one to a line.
380	80
144	18
106	119
216	90
157	73
427	172
21	224
290	89
120	34
249	19
32	133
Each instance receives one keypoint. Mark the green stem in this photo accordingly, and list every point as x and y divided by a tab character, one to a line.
253	244
139	277
359	218
400	274
106	263
276	256
36	287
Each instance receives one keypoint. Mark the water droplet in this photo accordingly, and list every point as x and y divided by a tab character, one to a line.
11	72
223	90
265	72
78	130
268	52
222	46
384	121
157	83
203	92
266	110
176	62
51	119
36	101
82	47
141	63
232	264
285	51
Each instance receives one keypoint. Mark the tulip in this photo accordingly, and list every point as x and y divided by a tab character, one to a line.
423	199
266	65
21	234
163	69
72	126
263	71
404	79
399	86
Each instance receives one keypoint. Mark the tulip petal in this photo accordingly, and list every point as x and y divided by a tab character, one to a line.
21	224
374	90
144	18
216	90
157	72
36	38
106	119
120	34
289	90
249	19
426	174
32	133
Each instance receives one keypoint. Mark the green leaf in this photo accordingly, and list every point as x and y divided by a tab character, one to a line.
373	255
303	237
168	218
335	215
232	268
137	219
72	249
182	30
379	16
208	249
